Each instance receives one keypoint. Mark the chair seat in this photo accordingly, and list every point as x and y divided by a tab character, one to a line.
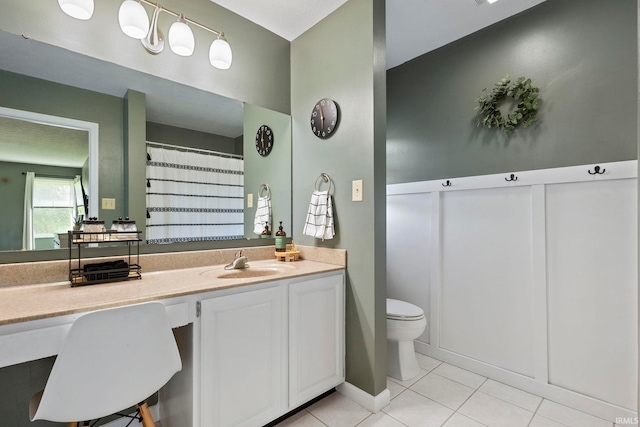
111	360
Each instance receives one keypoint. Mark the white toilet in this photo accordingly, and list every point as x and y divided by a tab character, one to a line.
405	323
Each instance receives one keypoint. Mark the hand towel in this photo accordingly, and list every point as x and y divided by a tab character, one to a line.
319	223
263	214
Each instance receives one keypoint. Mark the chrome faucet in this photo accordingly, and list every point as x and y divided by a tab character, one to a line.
239	263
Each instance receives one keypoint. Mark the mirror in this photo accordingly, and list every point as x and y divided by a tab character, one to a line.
54	148
81	90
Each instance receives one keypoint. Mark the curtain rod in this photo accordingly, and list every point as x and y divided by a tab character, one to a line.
46	175
197	150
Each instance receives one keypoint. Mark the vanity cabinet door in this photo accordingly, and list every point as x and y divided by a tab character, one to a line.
316	337
243	358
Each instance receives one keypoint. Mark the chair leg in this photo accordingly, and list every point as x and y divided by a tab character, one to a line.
147	419
74	424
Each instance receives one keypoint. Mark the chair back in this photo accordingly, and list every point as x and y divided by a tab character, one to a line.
111	360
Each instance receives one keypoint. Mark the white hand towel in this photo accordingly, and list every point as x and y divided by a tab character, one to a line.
319	223
263	214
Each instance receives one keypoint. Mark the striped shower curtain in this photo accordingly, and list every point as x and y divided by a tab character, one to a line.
193	196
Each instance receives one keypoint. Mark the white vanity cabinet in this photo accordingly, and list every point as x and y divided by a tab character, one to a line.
242	358
269	349
316	337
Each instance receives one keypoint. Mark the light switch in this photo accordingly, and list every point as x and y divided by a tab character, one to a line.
356	190
250	200
108	204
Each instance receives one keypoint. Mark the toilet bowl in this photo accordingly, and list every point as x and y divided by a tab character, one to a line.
405	323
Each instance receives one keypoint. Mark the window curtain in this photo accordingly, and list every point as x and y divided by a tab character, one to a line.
78	197
193	196
28	237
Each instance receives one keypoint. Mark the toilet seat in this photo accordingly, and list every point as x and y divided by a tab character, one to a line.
404	311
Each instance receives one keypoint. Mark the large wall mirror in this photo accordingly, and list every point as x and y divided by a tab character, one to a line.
69	91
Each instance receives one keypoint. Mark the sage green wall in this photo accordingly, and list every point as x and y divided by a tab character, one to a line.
583	59
343	58
258	75
274	169
12	197
191	138
41	96
135	160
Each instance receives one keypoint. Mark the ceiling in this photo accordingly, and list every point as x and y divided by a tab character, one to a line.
413	28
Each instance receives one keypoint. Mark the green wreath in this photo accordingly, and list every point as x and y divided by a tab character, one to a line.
526	112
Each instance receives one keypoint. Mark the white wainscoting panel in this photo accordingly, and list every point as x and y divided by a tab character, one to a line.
408	247
486	310
592	289
529	278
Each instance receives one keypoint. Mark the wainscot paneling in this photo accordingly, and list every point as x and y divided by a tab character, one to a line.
529	278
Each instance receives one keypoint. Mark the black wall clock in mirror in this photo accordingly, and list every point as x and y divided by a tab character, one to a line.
264	140
324	118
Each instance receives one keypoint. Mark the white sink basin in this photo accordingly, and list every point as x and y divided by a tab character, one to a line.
264	270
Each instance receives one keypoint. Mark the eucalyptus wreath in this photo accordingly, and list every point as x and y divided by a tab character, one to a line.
525	114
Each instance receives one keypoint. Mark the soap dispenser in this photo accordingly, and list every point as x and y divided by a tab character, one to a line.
266	233
281	239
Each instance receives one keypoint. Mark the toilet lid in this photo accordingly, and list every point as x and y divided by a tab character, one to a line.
402	310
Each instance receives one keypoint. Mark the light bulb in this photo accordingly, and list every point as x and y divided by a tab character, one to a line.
220	54
133	19
181	38
79	9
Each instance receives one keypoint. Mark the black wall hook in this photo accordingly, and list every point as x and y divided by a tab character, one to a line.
596	171
512	177
447	184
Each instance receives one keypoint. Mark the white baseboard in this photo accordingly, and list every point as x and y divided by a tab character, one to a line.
364	399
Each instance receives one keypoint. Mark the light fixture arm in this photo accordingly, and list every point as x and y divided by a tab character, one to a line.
177	15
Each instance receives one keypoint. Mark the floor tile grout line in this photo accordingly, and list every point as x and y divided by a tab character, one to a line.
536	411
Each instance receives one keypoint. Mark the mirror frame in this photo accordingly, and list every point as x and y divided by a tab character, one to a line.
93	130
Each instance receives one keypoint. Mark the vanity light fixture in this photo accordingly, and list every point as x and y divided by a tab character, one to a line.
79	9
134	22
492	1
181	38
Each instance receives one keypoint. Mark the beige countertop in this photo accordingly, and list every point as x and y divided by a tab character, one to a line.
33	302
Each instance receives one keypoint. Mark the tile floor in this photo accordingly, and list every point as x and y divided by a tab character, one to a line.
447	396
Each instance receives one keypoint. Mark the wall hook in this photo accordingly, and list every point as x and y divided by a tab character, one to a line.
512	177
596	171
447	184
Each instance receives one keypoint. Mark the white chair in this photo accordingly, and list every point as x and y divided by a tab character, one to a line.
111	360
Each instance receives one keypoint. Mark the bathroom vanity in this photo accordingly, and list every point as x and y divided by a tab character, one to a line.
255	344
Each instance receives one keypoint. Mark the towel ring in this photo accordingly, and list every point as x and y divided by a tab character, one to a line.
264	186
325	178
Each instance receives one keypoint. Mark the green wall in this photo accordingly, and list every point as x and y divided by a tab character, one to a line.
12	196
274	169
191	138
345	61
583	59
41	96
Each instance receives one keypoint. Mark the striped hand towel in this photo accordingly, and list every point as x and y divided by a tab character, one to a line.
319	223
263	214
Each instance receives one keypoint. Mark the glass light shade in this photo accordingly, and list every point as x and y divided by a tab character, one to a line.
79	9
133	19
181	38
220	53
492	1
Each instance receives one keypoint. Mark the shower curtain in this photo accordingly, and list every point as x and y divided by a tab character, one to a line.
193	196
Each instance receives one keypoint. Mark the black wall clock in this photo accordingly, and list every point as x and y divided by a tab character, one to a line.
264	140
324	118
